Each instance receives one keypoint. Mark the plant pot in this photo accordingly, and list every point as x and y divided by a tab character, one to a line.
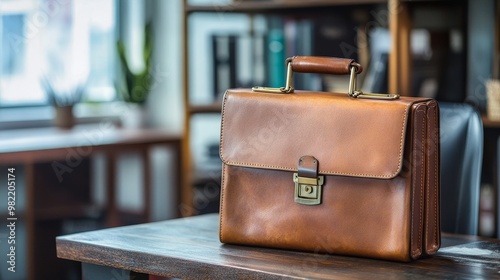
64	118
134	116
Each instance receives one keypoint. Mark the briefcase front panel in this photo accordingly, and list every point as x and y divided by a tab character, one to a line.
358	216
376	161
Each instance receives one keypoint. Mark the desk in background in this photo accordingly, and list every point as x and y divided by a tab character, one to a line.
66	150
189	248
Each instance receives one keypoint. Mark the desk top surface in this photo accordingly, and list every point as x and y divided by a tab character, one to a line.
44	143
189	248
82	135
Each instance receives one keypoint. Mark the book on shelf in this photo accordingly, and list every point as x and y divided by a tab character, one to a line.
200	53
275	43
258	60
438	69
238	61
480	42
335	36
246	59
224	62
376	77
257	57
300	42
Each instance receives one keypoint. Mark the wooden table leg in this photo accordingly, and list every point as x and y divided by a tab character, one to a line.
112	219
30	219
178	163
92	271
186	207
146	163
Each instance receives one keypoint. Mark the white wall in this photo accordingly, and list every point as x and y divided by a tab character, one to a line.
165	109
166	103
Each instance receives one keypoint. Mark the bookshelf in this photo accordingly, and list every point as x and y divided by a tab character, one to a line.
488	123
402	17
275	6
299	9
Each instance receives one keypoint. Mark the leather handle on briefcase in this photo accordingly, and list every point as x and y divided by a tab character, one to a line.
323	65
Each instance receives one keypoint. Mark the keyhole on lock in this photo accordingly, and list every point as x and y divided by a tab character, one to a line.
308	189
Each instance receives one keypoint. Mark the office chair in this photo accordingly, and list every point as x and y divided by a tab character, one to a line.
461	135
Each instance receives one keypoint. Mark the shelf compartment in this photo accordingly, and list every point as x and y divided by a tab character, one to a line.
275	6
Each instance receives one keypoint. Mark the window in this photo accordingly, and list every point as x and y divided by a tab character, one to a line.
69	44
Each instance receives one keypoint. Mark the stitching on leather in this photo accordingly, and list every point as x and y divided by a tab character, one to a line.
422	169
436	180
244	164
221	200
414	179
428	190
222	127
435	149
223	168
401	141
418	250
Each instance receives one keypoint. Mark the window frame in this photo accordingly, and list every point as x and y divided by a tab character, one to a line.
16	6
31	114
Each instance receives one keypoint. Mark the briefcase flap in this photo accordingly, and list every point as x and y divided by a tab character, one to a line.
348	136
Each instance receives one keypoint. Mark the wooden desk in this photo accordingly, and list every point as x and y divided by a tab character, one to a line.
67	148
189	249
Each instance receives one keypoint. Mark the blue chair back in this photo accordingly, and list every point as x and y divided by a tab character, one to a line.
461	136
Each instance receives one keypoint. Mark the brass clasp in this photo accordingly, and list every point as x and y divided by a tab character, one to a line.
308	190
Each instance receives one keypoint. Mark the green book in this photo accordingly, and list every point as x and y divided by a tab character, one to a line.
276	58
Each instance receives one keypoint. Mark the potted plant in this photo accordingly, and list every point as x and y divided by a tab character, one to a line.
63	101
135	86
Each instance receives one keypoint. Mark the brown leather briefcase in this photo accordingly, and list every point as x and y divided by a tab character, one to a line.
352	174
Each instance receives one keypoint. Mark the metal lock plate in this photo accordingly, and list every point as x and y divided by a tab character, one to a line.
308	190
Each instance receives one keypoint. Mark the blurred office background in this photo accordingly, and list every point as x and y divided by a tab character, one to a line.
72	46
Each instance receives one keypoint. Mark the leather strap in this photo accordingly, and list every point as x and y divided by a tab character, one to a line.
308	167
323	65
